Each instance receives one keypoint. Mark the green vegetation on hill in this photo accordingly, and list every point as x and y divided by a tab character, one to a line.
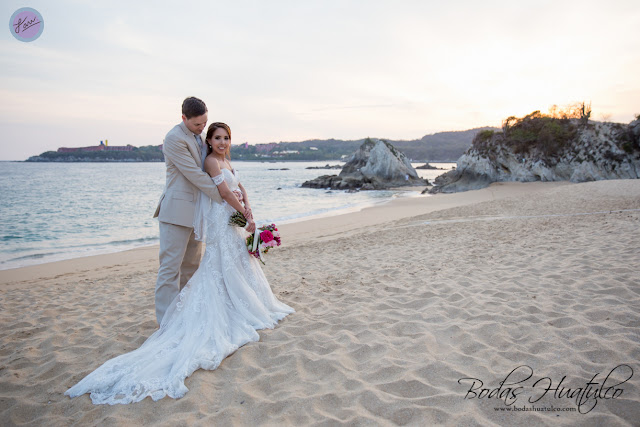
442	146
149	153
536	135
331	149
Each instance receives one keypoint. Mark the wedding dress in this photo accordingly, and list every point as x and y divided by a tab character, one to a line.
219	310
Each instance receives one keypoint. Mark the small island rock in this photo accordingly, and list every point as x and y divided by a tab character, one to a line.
375	165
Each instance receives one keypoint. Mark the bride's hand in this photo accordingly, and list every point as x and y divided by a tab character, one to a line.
251	226
248	213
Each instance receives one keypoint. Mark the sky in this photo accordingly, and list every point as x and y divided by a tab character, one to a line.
296	70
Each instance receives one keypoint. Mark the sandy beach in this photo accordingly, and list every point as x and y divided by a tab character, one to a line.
402	310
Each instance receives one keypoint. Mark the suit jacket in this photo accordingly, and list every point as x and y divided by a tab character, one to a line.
185	178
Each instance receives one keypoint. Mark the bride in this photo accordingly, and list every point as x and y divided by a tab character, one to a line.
219	309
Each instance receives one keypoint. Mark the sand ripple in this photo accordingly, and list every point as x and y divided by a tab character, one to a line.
388	320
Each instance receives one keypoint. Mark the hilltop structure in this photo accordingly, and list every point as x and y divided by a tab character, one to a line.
103	146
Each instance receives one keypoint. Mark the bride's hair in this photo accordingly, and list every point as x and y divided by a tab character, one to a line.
212	128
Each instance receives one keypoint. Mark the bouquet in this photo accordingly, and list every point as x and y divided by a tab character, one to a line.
264	238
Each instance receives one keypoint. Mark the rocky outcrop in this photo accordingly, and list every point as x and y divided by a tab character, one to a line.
634	128
375	165
562	150
327	166
428	166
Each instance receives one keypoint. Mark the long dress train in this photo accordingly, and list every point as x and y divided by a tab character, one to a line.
219	310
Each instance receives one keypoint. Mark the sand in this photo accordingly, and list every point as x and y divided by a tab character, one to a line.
396	305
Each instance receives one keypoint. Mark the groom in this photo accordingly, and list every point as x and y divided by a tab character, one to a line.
180	252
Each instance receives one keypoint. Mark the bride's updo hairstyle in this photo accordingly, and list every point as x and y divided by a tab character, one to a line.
212	128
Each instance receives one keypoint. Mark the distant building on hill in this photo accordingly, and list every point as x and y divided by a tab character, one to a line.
266	148
100	147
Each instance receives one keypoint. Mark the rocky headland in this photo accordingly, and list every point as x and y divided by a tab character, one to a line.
540	147
150	153
375	165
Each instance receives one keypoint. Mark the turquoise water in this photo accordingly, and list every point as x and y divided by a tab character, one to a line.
54	211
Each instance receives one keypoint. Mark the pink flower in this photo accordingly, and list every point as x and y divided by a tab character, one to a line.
266	236
271	244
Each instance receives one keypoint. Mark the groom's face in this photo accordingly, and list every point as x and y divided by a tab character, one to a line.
195	124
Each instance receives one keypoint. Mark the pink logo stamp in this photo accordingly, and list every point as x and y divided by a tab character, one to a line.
26	24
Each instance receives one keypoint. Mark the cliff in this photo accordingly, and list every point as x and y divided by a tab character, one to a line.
543	148
375	165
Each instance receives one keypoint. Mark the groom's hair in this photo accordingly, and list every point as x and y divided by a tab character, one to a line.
193	107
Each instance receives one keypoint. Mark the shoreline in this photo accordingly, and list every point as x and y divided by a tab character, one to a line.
306	230
106	250
28	243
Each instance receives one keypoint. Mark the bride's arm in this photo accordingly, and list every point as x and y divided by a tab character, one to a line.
245	198
212	167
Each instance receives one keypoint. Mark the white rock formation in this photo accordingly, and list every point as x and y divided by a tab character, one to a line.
599	151
375	165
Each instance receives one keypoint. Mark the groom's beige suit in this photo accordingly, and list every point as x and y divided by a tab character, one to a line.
180	253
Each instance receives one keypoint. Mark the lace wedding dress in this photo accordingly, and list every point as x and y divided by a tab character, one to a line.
219	310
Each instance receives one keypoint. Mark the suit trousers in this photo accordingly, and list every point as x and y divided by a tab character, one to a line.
180	255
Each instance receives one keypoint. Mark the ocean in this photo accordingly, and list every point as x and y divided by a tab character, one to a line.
55	211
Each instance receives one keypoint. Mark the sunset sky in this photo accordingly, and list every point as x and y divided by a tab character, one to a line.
295	70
